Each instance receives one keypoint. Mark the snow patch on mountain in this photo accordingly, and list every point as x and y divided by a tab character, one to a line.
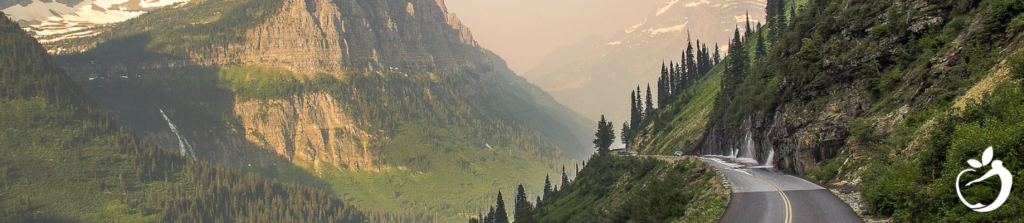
638	25
52	21
697	3
678	28
666	7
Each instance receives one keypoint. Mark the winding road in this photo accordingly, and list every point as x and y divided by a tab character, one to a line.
759	195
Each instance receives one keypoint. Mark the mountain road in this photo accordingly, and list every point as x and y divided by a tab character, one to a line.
760	195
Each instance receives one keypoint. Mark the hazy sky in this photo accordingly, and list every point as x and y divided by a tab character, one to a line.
523	31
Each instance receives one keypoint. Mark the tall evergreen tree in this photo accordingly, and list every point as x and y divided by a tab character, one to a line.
500	215
649	105
639	106
680	78
748	32
737	66
661	91
700	64
663	88
634	115
547	187
490	216
625	134
671	79
718	54
707	60
604	137
760	51
691	63
524	210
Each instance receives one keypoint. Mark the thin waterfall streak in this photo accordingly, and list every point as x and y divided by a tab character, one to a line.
186	148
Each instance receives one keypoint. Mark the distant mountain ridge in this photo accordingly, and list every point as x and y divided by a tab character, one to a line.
595	75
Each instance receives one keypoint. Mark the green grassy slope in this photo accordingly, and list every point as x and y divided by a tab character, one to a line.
632	189
681	124
62	159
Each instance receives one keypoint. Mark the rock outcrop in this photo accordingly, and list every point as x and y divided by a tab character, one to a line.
309	36
312	127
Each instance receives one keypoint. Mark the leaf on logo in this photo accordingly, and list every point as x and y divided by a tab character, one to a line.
974	163
986	157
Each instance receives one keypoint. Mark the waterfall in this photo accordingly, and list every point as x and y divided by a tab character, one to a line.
749	146
186	148
770	162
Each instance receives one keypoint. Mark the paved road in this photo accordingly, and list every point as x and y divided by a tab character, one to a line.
759	195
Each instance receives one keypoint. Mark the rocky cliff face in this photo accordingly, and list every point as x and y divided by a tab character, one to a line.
310	36
841	73
338	38
312	127
800	135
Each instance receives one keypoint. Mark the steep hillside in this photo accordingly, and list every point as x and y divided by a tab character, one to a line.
631	189
64	160
390	104
593	75
885	100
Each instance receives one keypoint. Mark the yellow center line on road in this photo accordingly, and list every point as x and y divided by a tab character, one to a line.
785	199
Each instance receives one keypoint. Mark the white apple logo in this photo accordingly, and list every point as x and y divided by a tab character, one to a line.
1006	181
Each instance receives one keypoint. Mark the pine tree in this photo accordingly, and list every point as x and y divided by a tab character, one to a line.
700	64
649	106
680	78
663	88
718	54
707	60
748	32
661	91
524	210
500	215
639	104
760	51
625	134
671	79
691	63
547	187
634	114
737	64
491	214
604	137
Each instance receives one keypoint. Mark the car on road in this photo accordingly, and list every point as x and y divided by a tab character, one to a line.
679	153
